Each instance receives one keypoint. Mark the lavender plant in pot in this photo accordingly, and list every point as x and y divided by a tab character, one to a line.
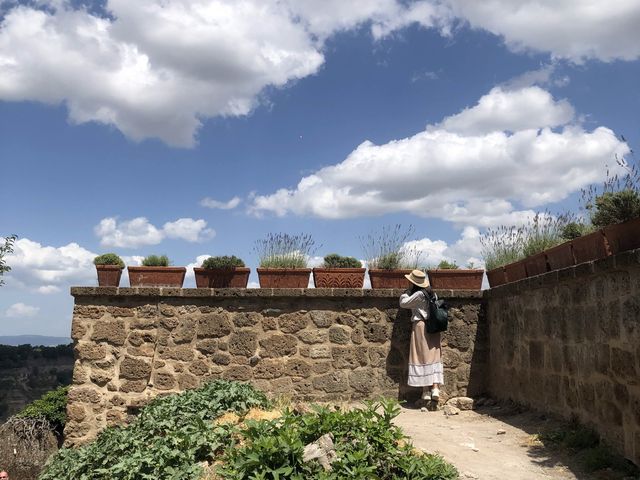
500	247
390	256
109	268
283	260
339	272
156	272
222	272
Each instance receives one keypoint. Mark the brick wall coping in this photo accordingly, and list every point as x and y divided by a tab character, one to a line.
257	292
583	270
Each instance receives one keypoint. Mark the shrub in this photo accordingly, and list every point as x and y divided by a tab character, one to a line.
615	207
156	261
6	249
108	259
444	265
333	260
223	262
52	406
368	445
390	249
574	230
282	250
169	438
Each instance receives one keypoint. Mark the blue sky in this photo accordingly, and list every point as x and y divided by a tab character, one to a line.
119	121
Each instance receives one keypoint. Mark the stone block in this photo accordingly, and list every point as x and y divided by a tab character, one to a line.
89	351
220	358
278	346
536	354
282	386
623	364
187	381
451	358
357	335
313	336
120	312
185	332
363	380
246	319
269	324
323	318
377	355
137	338
199	368
243	342
347	319
214	325
332	383
134	369
238	372
109	331
164	381
293	322
182	353
377	332
143	323
79	328
133	386
83	395
297	368
339	335
76	412
349	357
88	312
207	346
269	369
320	351
318	368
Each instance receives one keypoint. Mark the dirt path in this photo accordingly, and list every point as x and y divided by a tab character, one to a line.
471	442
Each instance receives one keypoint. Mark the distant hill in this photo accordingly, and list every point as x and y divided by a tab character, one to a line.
34	340
27	372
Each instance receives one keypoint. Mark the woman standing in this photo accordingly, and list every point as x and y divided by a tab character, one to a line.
425	357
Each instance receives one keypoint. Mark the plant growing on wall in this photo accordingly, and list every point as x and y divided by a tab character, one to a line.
543	231
281	250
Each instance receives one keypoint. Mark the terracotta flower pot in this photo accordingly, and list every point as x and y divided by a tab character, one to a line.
109	275
560	256
496	277
284	277
237	277
590	247
536	264
623	236
456	279
515	271
338	277
156	276
388	278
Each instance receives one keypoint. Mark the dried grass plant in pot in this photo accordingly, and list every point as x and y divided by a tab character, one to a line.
542	232
222	272
390	256
450	276
283	260
156	272
339	272
109	268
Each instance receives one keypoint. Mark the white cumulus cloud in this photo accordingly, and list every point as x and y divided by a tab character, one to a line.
211	203
514	147
572	29
139	232
21	310
47	268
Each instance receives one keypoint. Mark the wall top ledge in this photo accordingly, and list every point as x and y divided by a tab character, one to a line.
257	292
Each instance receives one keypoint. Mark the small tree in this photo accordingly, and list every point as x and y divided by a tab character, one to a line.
6	249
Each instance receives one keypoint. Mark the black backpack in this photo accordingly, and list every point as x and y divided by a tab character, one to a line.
438	320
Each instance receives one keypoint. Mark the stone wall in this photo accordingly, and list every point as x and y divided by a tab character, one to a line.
568	342
132	344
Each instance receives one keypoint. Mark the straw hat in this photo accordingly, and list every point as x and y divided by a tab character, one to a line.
419	278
